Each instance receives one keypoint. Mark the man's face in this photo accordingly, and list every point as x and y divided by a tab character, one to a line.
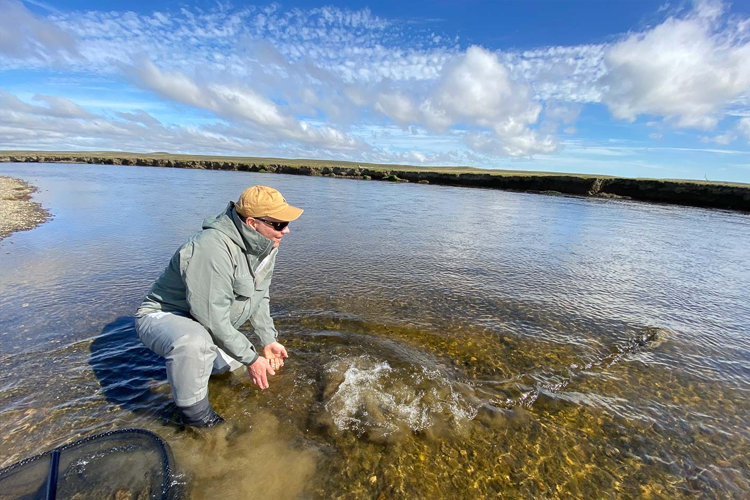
267	230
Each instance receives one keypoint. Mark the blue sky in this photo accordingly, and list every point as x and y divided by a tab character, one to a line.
633	88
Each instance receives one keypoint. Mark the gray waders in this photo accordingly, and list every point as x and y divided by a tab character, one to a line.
192	357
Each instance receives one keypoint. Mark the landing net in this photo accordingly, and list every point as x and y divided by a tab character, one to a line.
127	464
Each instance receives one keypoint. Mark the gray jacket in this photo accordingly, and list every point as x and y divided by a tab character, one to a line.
221	278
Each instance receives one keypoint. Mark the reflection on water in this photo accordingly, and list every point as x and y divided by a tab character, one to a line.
444	342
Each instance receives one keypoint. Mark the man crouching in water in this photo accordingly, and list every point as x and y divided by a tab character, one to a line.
214	283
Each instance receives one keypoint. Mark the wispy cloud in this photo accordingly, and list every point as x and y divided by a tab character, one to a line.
240	103
57	107
31	40
570	74
721	139
59	126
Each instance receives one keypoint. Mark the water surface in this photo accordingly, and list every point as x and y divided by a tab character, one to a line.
445	342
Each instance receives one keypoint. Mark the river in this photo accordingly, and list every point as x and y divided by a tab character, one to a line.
444	342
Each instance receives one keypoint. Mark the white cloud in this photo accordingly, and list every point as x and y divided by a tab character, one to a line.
722	139
518	145
237	102
475	90
139	116
655	136
26	126
685	69
25	37
566	113
397	106
702	150
570	74
58	107
558	113
476	87
743	127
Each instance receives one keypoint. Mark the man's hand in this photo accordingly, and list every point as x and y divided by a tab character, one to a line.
275	354
259	372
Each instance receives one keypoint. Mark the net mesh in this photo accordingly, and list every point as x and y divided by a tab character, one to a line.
127	464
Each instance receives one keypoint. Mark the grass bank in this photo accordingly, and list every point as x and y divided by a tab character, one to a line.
732	196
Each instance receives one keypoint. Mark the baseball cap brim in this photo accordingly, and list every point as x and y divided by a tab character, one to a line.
286	214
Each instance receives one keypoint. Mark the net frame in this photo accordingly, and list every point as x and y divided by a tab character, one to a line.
168	490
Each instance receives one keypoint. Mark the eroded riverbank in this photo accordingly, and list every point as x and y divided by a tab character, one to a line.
17	211
691	193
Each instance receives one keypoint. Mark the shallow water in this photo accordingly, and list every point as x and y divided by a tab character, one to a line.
445	342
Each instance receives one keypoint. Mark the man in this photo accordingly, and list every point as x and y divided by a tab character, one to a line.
213	284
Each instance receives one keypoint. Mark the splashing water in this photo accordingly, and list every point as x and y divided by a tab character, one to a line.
370	397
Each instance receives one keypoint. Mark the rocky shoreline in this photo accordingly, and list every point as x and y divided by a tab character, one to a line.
17	211
691	193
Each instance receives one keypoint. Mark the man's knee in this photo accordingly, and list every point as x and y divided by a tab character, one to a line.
194	345
172	335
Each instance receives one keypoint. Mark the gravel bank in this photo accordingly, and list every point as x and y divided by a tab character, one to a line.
17	211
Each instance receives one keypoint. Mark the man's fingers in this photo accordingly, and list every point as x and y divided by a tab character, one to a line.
259	374
283	352
260	380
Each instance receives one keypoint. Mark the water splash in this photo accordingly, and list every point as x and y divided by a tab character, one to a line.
370	397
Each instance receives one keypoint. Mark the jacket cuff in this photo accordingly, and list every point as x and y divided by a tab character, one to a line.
267	338
255	358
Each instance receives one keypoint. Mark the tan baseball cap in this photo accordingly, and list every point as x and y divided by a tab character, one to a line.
263	201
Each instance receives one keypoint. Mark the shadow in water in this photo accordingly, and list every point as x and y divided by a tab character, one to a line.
129	373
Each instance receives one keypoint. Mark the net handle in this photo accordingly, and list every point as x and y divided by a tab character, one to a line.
54	467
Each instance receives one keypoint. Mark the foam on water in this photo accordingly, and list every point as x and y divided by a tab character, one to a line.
371	397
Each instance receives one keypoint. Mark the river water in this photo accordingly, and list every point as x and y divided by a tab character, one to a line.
445	342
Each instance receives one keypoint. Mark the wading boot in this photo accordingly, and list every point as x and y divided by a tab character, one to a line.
200	414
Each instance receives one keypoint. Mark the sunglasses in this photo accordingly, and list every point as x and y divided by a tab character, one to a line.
279	226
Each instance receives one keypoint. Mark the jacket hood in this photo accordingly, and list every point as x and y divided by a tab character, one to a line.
229	223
